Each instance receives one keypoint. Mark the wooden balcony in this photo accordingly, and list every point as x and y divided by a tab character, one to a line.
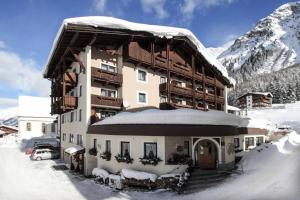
199	76
71	77
183	91
220	99
181	70
210	80
106	76
64	104
104	101
209	97
199	94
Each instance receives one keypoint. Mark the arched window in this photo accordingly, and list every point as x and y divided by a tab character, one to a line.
28	126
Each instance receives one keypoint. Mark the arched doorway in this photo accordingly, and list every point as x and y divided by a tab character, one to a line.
206	154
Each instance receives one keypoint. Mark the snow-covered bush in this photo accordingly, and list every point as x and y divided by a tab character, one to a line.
100	175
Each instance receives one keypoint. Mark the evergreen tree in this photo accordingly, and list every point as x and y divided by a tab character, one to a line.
298	91
290	96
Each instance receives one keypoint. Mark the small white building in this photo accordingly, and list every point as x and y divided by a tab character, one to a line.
252	133
34	118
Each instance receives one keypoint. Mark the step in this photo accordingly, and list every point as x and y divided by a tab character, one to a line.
209	176
195	188
197	181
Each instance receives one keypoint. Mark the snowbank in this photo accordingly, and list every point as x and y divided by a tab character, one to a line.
98	172
138	175
178	116
257	123
159	31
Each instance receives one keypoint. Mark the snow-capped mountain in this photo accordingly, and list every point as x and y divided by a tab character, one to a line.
9	116
273	44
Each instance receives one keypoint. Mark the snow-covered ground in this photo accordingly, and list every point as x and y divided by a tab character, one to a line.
272	171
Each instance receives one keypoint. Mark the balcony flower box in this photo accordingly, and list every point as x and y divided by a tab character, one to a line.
126	159
93	152
150	161
105	156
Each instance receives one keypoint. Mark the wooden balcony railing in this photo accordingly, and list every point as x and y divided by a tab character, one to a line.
220	99
71	77
106	101
64	104
209	97
184	91
209	80
181	70
106	76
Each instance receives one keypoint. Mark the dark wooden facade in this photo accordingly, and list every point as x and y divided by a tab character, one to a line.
176	58
258	100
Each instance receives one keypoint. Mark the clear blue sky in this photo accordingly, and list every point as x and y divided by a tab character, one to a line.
28	27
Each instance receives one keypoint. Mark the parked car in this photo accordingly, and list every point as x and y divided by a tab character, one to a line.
44	154
40	146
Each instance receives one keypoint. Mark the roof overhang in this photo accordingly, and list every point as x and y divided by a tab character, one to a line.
78	36
163	130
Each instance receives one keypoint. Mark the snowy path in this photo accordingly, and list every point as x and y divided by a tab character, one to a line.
273	173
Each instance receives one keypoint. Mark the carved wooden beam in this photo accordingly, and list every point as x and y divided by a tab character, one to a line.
77	58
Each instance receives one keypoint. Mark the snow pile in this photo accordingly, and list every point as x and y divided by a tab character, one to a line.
8	141
159	31
138	175
178	116
74	149
98	172
257	123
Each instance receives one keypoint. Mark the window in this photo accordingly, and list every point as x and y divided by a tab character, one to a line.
109	68
71	138
108	93
28	126
236	142
163	99
95	143
179	101
108	146
72	117
186	148
80	113
104	114
43	128
178	83
150	150
53	127
79	140
80	90
142	75
249	141
163	79
142	97
64	137
62	119
125	149
259	140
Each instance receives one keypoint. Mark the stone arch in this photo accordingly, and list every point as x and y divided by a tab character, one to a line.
212	140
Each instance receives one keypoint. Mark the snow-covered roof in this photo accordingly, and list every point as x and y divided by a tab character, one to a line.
30	106
159	31
232	108
256	123
9	127
74	149
258	93
178	116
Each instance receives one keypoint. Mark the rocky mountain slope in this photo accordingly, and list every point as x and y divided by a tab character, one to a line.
9	116
273	44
